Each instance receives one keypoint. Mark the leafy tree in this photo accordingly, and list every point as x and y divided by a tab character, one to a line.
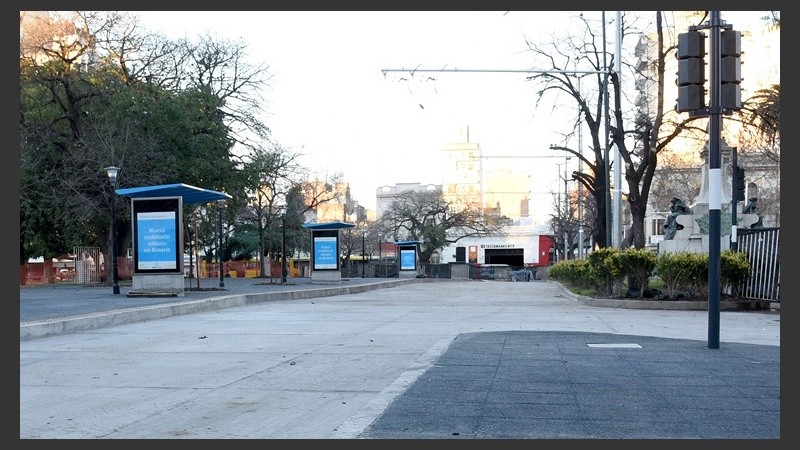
95	91
762	112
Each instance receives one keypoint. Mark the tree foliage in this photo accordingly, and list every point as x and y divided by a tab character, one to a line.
96	90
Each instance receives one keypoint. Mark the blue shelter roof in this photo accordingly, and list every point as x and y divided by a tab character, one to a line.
190	194
328	225
407	242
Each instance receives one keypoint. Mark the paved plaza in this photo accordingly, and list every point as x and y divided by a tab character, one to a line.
389	359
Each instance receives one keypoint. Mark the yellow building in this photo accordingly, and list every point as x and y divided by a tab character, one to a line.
500	189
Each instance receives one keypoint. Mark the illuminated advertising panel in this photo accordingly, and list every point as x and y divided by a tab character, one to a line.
326	250
156	235
408	259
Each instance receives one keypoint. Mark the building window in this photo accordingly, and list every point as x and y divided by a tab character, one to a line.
658	226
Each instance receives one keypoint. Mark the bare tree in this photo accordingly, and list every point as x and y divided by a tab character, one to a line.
676	177
270	174
426	217
653	126
564	224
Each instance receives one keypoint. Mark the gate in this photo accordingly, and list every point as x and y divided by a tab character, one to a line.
762	246
87	265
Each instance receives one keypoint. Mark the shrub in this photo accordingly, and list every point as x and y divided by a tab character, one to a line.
734	270
574	271
675	270
606	269
698	280
638	264
681	272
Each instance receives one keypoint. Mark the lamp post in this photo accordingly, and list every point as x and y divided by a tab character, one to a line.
363	255
219	229
112	178
380	258
283	248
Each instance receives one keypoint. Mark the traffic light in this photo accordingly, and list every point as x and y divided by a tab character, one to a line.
738	183
691	72
730	70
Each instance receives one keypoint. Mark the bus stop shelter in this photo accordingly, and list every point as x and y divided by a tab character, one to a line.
157	224
325	251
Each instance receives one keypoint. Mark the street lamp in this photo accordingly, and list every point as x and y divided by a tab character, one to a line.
380	258
283	248
363	255
112	178
219	229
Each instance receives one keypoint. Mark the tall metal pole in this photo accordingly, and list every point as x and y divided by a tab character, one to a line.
616	238
607	168
363	255
380	258
566	210
196	257
734	162
715	183
112	177
580	185
283	248
219	252
114	272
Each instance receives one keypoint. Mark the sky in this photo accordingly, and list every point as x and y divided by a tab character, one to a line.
329	99
338	96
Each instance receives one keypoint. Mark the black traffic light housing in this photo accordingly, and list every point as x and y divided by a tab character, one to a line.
738	183
691	72
730	70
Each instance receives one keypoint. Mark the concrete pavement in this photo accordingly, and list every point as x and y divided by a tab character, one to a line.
431	359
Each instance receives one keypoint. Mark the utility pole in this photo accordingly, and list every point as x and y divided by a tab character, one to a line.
616	237
607	170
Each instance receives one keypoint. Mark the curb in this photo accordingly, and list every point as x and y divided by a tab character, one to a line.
669	305
74	324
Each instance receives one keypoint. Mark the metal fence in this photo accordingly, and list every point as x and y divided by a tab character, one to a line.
88	265
762	247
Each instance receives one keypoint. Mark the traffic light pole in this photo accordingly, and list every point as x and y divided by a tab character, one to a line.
724	97
715	181
734	198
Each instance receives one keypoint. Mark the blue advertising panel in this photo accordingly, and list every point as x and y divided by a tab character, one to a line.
156	235
326	254
156	240
408	259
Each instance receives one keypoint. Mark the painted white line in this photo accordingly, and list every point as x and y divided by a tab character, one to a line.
357	423
614	345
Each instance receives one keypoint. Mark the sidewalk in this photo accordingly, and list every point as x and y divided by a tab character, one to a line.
417	360
51	309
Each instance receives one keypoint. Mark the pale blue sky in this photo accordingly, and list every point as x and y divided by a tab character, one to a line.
329	99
